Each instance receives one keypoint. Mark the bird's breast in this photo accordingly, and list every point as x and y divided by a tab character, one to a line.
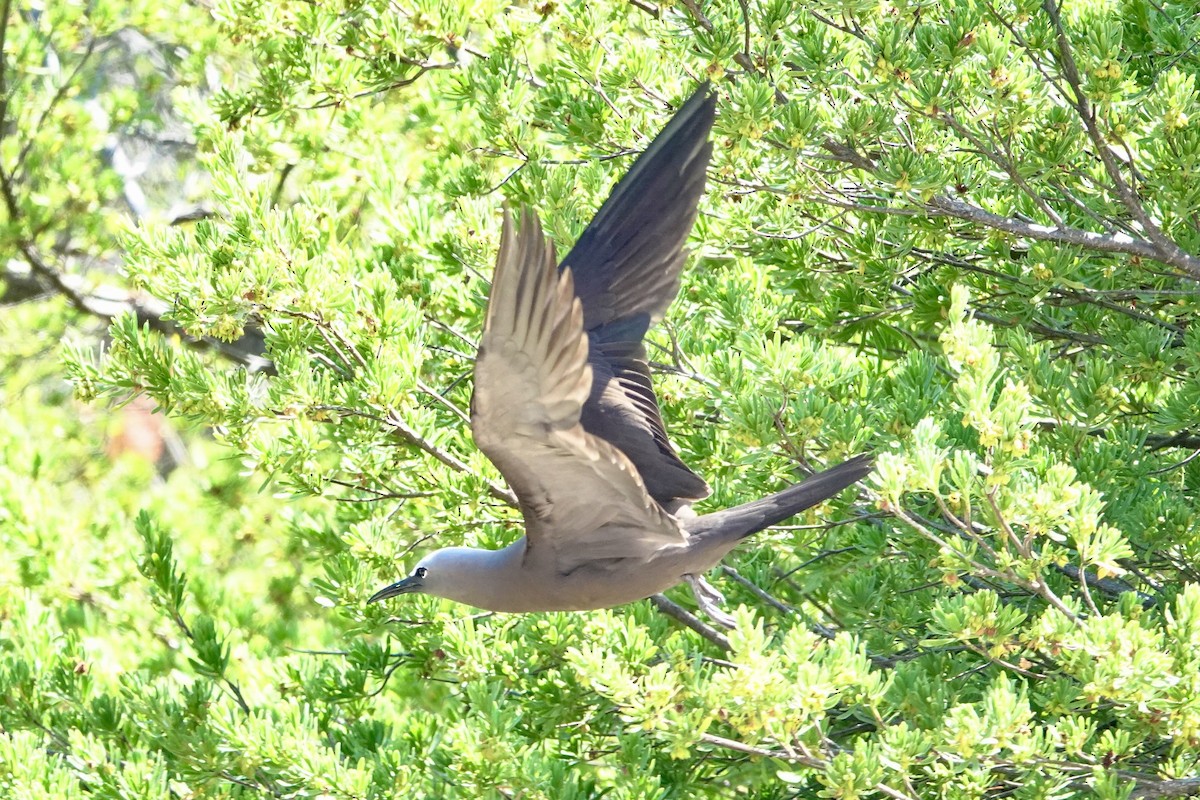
599	584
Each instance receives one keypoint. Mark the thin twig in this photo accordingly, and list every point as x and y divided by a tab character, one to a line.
5	15
429	390
682	615
757	591
415	439
701	20
649	8
803	757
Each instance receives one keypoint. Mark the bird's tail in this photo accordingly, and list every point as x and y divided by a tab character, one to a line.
741	521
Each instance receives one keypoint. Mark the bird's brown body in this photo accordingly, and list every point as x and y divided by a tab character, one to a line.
564	407
519	584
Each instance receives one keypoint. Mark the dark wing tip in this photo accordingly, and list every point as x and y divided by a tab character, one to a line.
848	473
629	257
703	102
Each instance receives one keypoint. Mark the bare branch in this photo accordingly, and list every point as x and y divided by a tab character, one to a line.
682	615
649	8
106	302
1154	789
701	20
1169	252
416	440
1001	161
1108	243
5	13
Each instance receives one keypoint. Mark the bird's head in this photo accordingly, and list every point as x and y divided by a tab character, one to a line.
418	580
452	572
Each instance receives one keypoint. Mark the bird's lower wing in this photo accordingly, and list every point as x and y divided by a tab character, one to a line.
582	498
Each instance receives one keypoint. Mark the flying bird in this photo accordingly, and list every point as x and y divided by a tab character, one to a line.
563	406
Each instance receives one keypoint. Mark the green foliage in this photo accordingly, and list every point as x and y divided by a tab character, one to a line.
961	235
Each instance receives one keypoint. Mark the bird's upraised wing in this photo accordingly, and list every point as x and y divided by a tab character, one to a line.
628	259
626	267
582	498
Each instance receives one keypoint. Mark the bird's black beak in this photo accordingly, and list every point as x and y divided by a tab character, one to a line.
410	584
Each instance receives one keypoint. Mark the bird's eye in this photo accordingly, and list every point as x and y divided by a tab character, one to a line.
421	572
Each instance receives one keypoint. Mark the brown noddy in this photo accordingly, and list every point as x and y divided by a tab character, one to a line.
563	406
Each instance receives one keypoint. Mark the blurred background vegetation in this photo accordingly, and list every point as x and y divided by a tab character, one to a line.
247	249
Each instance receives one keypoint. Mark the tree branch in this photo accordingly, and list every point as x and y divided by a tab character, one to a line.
1108	243
1154	789
106	302
416	440
1169	252
682	615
